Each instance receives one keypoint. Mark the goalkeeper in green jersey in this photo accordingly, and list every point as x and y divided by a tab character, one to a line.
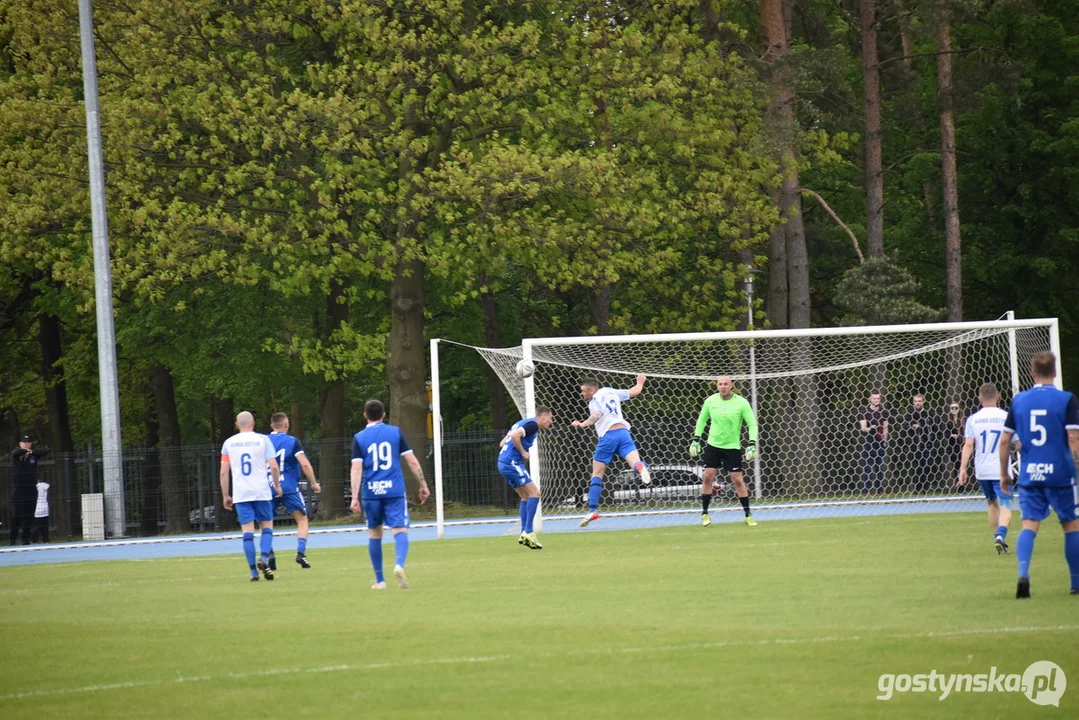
725	412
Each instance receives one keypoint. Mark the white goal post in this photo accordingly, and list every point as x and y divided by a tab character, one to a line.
808	387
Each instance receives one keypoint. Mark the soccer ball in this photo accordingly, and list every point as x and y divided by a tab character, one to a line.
525	368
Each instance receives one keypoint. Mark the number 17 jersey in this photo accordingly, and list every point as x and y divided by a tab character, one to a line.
380	448
986	427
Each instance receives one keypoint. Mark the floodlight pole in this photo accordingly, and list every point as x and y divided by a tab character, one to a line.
113	467
753	376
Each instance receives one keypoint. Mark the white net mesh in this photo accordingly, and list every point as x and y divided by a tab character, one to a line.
809	392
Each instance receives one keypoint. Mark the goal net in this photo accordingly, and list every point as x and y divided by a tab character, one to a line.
809	390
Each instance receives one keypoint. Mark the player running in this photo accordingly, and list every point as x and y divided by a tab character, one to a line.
724	412
291	458
377	451
983	432
513	466
614	438
1047	422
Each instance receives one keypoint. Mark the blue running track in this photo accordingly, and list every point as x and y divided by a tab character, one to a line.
354	535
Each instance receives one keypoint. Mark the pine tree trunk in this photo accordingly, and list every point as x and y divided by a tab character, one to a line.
874	168
949	176
223	426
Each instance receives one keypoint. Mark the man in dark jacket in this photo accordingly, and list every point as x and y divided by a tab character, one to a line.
25	459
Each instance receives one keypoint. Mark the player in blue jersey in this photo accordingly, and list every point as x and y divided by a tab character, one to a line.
605	405
982	439
377	452
291	458
1046	420
250	457
513	465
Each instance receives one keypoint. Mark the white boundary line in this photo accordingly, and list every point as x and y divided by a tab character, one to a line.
866	636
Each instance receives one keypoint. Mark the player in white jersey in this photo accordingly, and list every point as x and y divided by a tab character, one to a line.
250	457
983	431
605	405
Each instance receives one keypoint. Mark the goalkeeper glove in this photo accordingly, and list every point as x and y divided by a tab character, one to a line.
750	453
695	448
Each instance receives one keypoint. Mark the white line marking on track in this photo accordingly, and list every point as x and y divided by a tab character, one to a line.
479	659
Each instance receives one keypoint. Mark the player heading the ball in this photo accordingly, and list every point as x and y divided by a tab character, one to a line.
605	404
724	412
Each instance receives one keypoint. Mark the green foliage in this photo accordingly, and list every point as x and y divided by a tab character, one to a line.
881	292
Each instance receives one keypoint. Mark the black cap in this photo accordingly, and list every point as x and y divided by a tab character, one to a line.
26	438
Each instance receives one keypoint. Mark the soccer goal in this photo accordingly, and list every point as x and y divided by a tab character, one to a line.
809	389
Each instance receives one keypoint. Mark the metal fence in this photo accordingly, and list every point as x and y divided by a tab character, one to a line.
177	490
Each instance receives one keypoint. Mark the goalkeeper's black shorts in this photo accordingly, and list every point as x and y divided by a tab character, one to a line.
730	459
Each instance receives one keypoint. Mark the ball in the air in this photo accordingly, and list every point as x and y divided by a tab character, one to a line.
525	368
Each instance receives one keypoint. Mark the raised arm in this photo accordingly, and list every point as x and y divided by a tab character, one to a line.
636	389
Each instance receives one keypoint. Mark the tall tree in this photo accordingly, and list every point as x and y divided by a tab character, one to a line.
953	252
874	164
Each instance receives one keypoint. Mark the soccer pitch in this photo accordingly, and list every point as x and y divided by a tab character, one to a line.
790	619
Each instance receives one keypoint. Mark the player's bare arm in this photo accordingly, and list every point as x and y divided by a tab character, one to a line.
226	498
355	480
308	472
1005	445
968	450
417	471
276	472
636	389
592	419
1073	445
515	437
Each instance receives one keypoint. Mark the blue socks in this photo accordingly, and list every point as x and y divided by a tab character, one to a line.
595	488
301	546
249	549
374	549
400	544
1071	552
1002	532
530	512
524	515
1024	549
266	545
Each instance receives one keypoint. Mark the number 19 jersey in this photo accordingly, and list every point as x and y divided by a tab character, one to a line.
986	427
380	448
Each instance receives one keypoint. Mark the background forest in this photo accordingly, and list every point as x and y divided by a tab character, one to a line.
302	192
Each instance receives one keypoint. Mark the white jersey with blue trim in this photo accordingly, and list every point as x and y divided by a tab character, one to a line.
985	427
608	401
249	453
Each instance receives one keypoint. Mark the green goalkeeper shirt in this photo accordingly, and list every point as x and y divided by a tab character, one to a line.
725	418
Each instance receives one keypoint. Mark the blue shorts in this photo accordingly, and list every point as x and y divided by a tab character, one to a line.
391	512
1036	501
292	502
515	472
255	510
615	442
992	491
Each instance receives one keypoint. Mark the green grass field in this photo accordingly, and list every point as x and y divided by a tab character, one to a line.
792	619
